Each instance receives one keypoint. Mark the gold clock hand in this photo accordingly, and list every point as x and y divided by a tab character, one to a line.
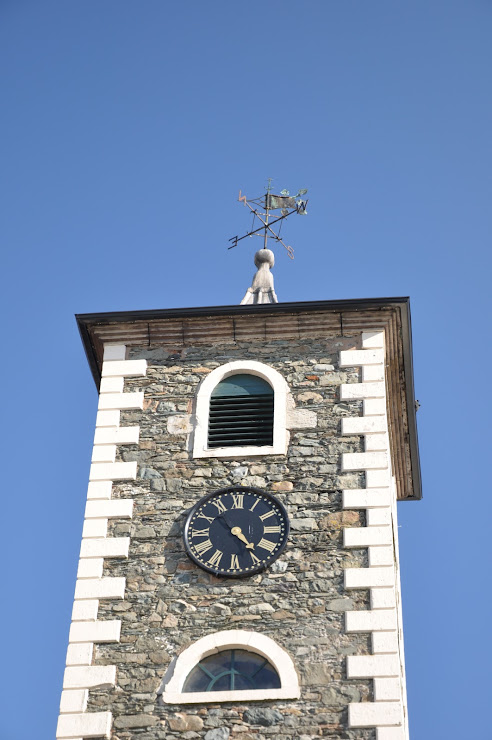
238	533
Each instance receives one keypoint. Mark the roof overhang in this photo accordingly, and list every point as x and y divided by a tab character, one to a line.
182	326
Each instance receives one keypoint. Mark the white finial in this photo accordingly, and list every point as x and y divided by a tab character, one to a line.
262	290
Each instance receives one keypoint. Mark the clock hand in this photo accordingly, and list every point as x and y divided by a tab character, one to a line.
238	533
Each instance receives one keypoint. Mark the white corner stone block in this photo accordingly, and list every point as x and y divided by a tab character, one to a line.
108	418
111	385
113	471
371	714
301	419
104	453
385	642
369	666
73	700
95	528
80	654
114	352
376	442
363	425
371	373
103	631
85	611
361	498
387	689
128	368
371	621
90	568
90	677
117	436
374	407
377	478
381	556
369	577
100	489
373	339
85	725
365	536
354	358
126	400
107	547
383	598
100	588
378	517
391	733
364	461
122	508
357	391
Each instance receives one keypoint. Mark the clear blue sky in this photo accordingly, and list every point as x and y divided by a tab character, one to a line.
127	129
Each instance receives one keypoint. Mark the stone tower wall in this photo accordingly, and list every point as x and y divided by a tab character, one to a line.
141	601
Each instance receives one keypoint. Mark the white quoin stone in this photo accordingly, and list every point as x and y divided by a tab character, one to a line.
86	725
116	435
361	498
369	577
383	598
381	556
100	588
371	621
100	489
356	391
90	568
373	339
85	611
124	400
385	642
111	385
107	547
128	368
114	352
391	733
121	508
354	357
378	517
363	425
104	453
95	528
104	631
371	373
80	653
365	536
364	460
113	471
369	666
89	677
387	689
108	418
374	407
73	700
371	714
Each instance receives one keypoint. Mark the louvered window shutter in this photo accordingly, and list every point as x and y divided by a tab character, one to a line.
241	412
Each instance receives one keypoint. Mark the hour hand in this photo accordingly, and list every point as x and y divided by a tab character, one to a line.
238	533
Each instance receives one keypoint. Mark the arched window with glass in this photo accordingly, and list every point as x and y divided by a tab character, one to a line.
232	670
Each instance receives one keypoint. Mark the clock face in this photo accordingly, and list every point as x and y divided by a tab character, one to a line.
236	531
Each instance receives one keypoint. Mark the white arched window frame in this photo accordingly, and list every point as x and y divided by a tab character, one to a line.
280	390
171	688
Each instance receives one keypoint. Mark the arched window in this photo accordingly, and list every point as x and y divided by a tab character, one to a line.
241	412
232	670
233	665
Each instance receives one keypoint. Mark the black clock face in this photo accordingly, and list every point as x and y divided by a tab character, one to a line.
236	531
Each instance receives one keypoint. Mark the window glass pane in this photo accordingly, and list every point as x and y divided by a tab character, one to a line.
242	385
240	669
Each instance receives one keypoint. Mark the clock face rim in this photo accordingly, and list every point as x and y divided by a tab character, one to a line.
251	571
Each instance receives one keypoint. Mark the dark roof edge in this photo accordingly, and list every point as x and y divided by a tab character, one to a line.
84	321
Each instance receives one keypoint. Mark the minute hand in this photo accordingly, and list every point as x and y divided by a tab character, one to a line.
238	533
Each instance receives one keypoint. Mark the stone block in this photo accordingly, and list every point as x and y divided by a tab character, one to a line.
73	701
117	435
387	689
381	556
100	588
104	453
85	611
107	547
80	654
102	631
373	339
365	536
355	358
356	391
113	471
391	733
127	368
377	478
371	373
111	385
362	498
383	598
370	621
374	407
90	568
369	666
363	425
99	489
95	528
364	460
369	577
108	418
371	714
121	508
109	401
379	517
89	677
114	352
376	442
385	642
85	725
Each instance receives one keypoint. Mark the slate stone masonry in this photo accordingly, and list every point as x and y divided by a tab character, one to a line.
299	601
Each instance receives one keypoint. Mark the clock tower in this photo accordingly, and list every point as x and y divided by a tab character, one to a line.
239	573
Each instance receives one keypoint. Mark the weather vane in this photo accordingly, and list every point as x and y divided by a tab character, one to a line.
261	208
